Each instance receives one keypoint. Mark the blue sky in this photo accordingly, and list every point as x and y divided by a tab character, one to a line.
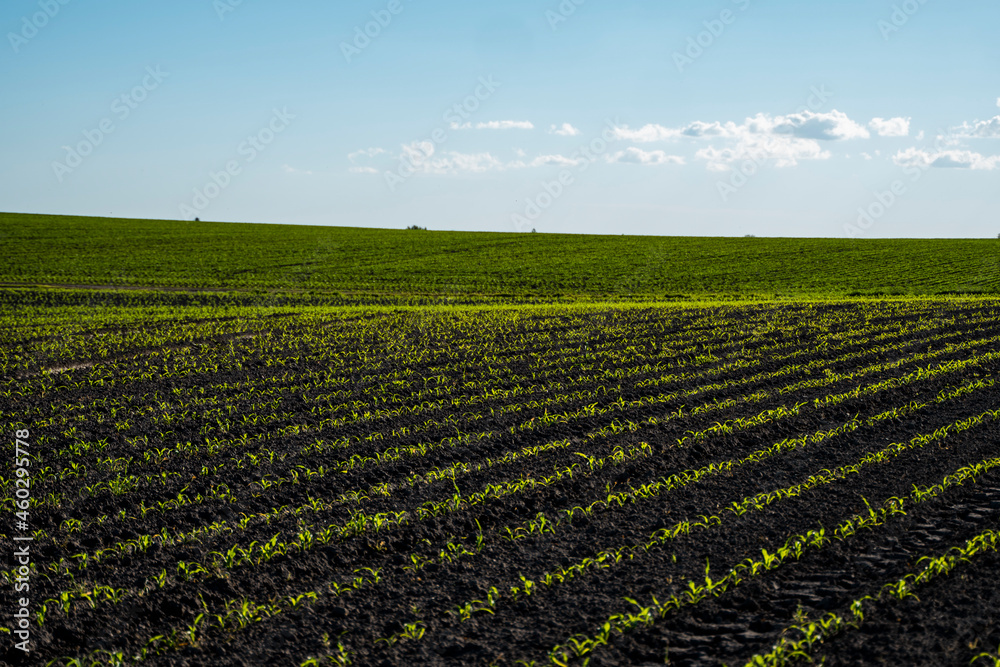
729	117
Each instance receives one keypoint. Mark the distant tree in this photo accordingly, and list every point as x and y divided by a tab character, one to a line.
749	236
533	231
417	227
197	219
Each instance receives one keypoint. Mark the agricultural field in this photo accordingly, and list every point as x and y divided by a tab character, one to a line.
66	250
742	483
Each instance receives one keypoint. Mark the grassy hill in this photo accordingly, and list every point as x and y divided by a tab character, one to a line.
105	251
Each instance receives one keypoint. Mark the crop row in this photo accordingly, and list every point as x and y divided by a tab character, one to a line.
795	546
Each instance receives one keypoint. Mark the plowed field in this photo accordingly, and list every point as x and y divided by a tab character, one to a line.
740	485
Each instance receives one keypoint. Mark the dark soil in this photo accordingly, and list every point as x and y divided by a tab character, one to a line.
296	372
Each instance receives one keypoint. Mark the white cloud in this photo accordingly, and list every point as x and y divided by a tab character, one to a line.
454	162
555	160
783	139
784	151
950	159
288	169
551	160
646	133
635	155
892	127
369	152
417	152
829	126
564	130
867	156
423	157
496	125
506	125
920	135
714	129
980	129
696	130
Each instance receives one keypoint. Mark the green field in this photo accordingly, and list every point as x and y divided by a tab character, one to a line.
241	444
61	250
